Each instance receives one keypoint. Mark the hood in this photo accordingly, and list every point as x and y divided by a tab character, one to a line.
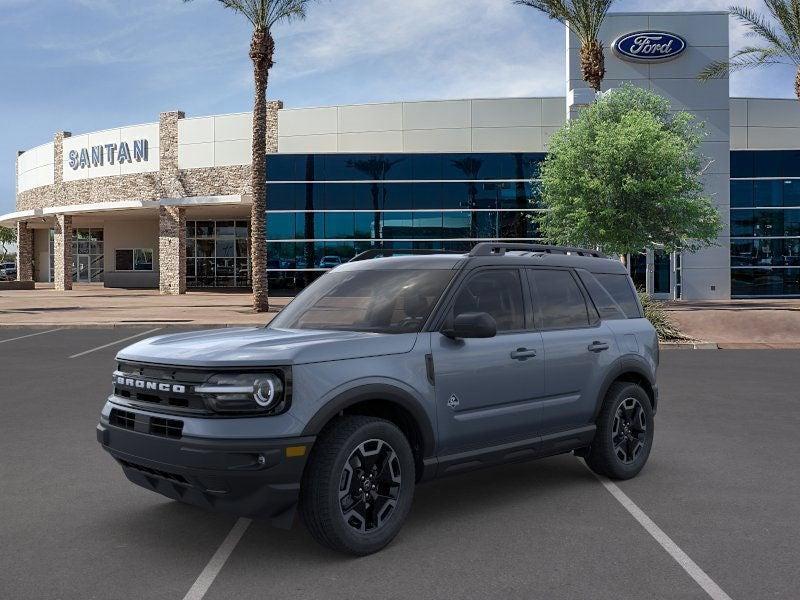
259	346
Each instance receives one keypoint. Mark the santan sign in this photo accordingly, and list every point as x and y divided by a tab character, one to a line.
97	156
649	46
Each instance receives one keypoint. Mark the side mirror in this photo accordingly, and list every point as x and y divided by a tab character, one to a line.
472	325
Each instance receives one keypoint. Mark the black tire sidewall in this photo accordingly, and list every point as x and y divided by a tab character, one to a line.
607	461
366	543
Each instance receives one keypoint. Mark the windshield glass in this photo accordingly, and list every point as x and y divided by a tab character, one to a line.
390	301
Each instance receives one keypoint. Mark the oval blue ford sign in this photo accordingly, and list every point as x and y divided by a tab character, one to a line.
649	46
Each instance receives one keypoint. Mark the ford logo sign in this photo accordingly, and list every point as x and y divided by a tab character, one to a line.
649	46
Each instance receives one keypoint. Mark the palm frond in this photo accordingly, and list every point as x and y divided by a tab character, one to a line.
759	26
583	17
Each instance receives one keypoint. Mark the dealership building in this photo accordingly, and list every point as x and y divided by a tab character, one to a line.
167	204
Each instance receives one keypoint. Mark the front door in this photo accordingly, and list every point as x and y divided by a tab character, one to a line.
83	268
487	390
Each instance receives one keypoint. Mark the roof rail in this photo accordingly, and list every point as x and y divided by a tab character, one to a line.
381	252
500	248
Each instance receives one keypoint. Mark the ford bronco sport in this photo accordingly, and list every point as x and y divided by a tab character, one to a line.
387	371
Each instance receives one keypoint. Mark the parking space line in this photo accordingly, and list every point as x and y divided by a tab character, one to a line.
687	564
22	337
114	343
214	566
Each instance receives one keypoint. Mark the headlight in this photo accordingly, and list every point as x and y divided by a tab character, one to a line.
249	392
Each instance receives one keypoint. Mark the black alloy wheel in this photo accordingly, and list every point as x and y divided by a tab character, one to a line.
370	485
629	432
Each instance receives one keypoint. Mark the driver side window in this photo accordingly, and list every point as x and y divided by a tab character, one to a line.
497	292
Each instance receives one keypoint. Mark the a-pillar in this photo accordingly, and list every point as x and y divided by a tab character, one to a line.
62	253
171	250
24	252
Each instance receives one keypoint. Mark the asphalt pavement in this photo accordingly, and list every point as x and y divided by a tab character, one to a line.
722	484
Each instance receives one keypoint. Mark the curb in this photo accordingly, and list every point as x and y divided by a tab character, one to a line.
689	345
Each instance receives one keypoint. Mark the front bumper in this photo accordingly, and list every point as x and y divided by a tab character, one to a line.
248	478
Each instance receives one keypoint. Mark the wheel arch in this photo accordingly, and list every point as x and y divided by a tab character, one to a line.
633	370
387	402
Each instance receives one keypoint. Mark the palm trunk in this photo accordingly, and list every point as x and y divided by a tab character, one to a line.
797	84
593	64
261	51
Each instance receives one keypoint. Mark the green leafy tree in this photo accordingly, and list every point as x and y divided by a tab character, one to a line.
778	40
626	175
263	15
8	236
584	19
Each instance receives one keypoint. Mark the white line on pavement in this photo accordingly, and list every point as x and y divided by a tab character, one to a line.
114	343
22	337
695	572
214	566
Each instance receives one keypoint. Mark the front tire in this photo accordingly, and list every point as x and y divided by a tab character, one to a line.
358	486
624	435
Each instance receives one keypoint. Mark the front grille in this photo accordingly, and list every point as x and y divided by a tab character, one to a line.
122	418
171	389
171	428
157	472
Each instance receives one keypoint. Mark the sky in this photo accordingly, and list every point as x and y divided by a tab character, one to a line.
86	65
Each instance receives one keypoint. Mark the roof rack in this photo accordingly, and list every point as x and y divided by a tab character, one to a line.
500	248
381	252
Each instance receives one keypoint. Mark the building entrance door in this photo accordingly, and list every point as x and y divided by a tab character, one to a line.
83	269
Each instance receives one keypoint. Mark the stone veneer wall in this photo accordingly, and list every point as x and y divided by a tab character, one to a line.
24	252
62	250
171	250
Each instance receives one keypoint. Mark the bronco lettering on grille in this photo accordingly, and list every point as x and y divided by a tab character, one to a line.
155	386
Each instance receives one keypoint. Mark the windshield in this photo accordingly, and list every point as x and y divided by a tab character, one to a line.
390	301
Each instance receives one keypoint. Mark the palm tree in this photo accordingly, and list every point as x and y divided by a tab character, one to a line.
584	19
780	41
262	15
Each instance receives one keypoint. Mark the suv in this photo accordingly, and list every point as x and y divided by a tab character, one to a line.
8	271
387	372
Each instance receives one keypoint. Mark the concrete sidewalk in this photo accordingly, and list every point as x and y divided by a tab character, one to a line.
94	305
740	323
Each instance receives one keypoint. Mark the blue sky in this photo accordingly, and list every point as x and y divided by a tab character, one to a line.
84	65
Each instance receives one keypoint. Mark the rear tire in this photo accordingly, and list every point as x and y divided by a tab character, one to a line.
358	487
624	435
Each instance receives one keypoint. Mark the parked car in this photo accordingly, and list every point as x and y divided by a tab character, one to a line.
386	372
328	262
8	271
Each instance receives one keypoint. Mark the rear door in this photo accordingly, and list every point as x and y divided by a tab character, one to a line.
577	347
487	389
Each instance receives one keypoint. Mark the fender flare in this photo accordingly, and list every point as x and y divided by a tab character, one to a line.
376	391
626	364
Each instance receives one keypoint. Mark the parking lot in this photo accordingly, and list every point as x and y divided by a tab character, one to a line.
722	485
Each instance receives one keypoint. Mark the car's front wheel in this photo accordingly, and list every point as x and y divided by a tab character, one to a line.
358	486
624	435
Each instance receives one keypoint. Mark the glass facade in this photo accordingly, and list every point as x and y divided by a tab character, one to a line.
765	223
217	254
325	208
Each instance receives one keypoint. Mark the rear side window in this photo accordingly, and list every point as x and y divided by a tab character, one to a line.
608	308
558	300
621	290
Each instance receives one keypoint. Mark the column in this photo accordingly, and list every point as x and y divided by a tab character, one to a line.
171	250
62	250
24	252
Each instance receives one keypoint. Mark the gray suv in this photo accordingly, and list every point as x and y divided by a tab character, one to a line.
385	372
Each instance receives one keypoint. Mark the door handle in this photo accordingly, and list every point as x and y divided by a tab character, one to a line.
522	354
598	346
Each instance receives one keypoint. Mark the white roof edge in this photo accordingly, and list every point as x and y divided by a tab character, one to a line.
419	100
13	217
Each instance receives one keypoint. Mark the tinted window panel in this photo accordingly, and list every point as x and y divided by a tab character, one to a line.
558	300
606	306
768	163
497	292
768	193
619	286
741	194
123	260
742	164
339	196
791	192
282	196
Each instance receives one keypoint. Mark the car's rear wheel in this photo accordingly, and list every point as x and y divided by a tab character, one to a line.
358	486
624	435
